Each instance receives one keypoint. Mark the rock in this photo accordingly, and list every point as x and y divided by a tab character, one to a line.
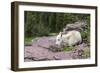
40	59
81	51
28	58
56	48
80	25
77	54
36	58
57	58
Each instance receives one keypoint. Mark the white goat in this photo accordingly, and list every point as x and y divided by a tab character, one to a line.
71	38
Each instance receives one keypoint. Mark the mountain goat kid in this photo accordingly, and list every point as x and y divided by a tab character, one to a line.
69	39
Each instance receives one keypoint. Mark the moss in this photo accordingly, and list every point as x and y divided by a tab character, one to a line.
86	53
68	48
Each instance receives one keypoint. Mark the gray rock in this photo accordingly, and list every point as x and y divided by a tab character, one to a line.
79	50
57	58
80	25
56	48
40	59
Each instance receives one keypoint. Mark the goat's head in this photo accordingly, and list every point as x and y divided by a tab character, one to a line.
59	39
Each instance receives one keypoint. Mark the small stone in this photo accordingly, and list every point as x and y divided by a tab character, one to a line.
57	58
40	58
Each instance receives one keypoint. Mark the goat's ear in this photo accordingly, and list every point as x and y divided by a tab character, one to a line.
60	34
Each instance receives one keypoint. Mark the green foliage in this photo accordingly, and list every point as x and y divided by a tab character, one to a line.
86	33
28	39
35	25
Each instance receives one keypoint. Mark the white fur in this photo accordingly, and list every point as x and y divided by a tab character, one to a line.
71	38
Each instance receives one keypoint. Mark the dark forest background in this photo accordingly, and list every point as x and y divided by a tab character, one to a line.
39	24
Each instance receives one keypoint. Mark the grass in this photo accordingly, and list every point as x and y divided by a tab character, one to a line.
68	48
52	34
28	40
